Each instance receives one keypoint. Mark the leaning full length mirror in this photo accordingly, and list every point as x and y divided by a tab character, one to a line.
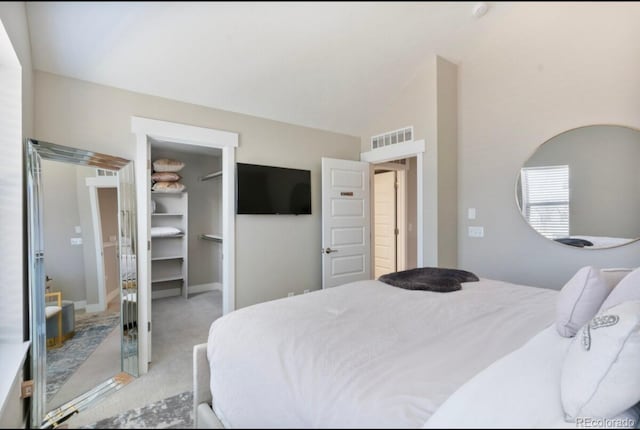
581	188
82	277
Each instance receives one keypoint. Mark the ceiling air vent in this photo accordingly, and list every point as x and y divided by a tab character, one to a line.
392	137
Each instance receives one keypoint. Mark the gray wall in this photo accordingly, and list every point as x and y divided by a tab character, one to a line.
274	254
16	124
604	178
447	129
64	262
204	213
429	103
538	70
67	205
15	127
88	235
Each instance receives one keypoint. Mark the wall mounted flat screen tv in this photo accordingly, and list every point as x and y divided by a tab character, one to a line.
265	190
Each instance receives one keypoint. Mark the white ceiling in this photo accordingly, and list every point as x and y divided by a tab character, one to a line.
325	65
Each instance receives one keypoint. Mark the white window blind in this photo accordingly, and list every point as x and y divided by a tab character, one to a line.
545	198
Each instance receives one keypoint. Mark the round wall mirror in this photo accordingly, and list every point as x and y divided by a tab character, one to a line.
581	188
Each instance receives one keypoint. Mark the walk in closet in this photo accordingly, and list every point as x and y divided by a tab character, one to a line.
186	219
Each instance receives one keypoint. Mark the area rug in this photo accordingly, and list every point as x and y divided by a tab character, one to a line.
62	362
175	412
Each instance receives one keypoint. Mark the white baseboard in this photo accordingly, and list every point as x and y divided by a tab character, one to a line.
94	308
80	304
201	288
169	292
173	292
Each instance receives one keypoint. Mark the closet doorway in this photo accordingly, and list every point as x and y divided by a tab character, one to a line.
186	220
394	216
189	258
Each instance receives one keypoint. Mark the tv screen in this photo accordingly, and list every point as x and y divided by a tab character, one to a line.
273	190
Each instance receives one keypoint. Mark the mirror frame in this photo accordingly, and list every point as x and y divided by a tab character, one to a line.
34	152
518	184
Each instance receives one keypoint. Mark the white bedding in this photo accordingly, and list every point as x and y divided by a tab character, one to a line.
521	390
364	354
604	241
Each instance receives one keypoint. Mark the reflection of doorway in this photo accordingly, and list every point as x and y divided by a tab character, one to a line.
108	207
103	197
394	216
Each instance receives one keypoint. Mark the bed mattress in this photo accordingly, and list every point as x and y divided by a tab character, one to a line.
364	354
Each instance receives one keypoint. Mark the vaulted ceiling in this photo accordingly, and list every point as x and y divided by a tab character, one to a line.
325	65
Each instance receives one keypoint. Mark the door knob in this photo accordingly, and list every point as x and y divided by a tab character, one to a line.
329	250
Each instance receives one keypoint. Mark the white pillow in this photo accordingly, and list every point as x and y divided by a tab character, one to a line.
579	300
165	231
601	371
627	289
167	165
168	187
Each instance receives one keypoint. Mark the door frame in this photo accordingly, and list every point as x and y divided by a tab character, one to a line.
94	183
398	152
377	169
146	129
401	211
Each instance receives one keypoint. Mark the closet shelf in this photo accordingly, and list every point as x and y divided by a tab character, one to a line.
173	236
166	214
213	237
174	257
211	176
168	278
165	193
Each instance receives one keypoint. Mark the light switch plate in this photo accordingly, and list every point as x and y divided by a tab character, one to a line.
76	241
78	229
475	231
471	213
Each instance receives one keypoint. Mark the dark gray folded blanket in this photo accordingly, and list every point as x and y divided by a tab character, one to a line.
429	279
580	243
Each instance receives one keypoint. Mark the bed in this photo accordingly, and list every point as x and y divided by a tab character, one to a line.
364	354
594	242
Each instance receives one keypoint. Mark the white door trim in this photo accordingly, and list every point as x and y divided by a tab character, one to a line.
401	219
94	183
398	152
145	128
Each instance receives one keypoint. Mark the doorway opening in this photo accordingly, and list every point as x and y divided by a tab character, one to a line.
394	216
154	135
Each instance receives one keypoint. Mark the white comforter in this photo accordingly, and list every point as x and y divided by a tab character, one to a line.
364	354
521	390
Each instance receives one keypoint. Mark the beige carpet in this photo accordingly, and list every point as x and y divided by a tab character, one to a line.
179	324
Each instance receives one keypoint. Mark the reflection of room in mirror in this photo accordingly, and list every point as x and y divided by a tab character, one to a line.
582	187
80	227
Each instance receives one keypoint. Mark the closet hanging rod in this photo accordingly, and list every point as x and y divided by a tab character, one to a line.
211	176
212	237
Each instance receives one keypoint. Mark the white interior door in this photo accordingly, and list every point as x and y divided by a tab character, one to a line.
346	253
384	210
